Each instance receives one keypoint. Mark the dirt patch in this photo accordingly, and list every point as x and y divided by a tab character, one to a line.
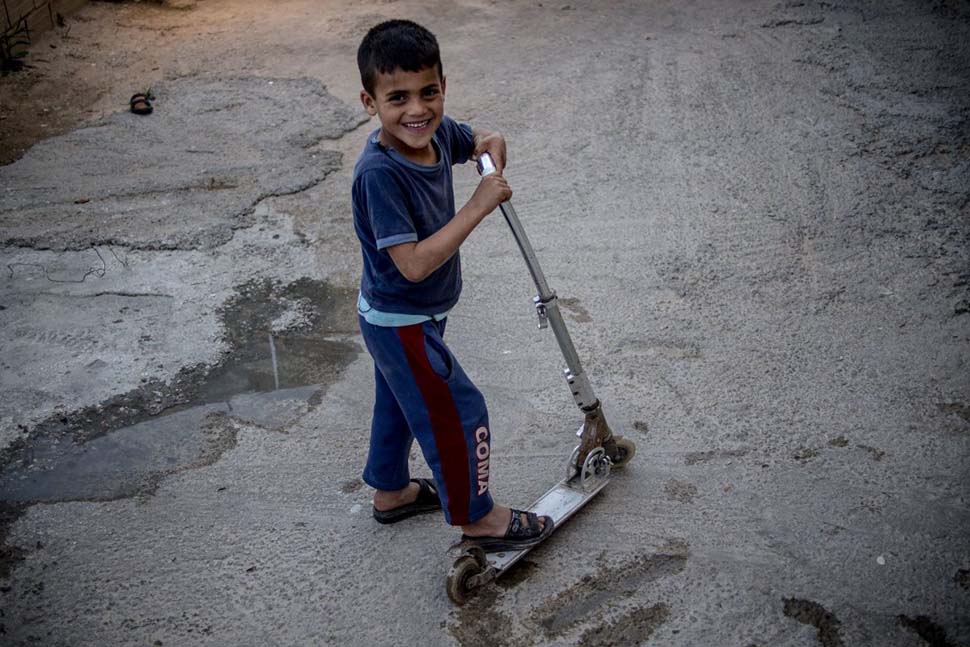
631	628
814	614
803	454
681	491
9	555
962	577
575	309
593	593
519	573
585	605
874	452
932	633
958	408
693	458
353	485
480	624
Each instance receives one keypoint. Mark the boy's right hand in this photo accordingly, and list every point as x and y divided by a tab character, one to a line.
492	191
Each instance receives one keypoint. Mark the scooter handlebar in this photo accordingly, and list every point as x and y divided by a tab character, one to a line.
485	165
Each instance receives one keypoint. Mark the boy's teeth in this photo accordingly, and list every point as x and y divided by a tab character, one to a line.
418	124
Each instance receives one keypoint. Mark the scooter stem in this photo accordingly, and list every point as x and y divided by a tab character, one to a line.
547	304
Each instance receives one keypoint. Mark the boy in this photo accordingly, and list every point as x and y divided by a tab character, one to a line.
404	215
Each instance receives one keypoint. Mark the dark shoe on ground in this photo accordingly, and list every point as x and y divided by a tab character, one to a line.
518	536
141	104
427	501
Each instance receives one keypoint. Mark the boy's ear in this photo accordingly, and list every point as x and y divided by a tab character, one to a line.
368	102
443	83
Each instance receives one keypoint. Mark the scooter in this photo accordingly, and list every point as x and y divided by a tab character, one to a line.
592	463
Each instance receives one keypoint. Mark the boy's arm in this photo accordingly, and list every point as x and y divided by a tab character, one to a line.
417	260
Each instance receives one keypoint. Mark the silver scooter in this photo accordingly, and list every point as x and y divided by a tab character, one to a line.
589	468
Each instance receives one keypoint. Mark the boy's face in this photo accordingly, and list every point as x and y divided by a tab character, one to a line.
410	106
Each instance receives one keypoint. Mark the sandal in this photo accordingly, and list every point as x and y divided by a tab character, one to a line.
518	535
427	501
140	103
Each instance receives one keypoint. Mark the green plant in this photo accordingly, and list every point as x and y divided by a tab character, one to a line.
17	36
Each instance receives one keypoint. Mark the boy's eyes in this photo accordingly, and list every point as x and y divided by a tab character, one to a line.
426	93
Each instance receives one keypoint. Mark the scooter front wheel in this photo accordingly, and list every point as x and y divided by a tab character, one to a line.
625	449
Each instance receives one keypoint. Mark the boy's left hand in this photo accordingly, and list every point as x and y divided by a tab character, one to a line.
494	145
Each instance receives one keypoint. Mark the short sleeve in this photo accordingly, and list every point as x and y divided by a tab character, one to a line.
386	208
461	141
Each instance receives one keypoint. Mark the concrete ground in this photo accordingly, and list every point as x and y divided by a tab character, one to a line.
757	216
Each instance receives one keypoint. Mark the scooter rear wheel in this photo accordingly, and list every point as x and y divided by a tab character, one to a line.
464	568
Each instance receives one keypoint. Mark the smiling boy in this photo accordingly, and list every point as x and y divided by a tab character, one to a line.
410	233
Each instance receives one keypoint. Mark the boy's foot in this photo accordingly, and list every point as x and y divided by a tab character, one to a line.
507	529
420	496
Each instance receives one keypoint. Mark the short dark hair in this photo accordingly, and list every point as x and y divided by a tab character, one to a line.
396	44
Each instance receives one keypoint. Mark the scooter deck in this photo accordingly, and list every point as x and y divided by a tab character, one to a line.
560	503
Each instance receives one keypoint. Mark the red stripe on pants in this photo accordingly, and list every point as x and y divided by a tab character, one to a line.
449	437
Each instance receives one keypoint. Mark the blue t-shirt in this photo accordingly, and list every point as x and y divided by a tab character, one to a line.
396	201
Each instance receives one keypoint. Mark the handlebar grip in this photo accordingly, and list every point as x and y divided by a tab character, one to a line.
485	165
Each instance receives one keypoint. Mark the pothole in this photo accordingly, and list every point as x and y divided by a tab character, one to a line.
288	343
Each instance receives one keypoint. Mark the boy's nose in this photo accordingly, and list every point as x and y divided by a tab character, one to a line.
416	108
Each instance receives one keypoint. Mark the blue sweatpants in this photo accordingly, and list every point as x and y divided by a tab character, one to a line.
423	393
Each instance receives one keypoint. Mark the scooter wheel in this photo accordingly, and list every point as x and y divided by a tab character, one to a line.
464	568
625	451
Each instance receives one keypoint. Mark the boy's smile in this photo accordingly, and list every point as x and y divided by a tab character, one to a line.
410	106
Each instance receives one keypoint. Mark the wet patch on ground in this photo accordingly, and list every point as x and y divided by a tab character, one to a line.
286	345
353	485
575	309
693	458
962	578
660	348
814	614
681	491
593	593
600	605
925	628
519	573
803	454
631	628
958	408
876	453
480	624
9	555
